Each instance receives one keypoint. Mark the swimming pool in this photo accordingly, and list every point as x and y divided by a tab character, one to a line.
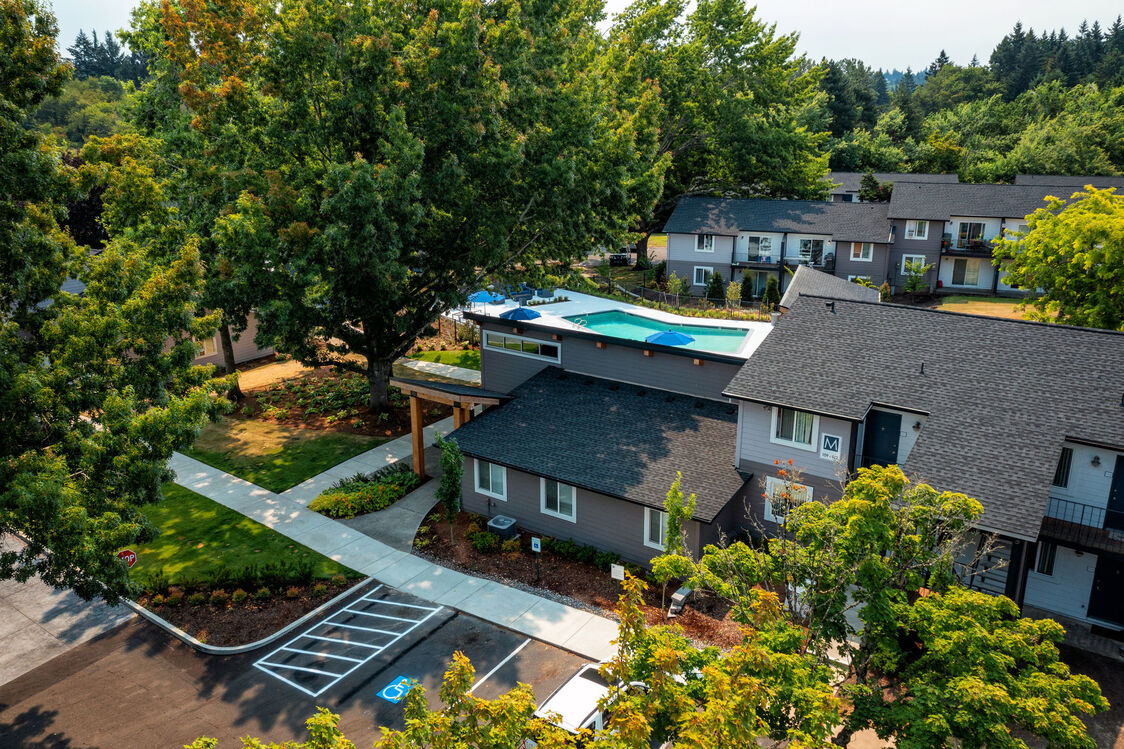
636	328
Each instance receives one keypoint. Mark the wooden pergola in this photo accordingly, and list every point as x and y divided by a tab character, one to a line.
463	399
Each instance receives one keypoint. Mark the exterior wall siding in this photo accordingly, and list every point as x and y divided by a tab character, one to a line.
1067	591
503	372
755	424
877	268
985	272
930	247
1088	484
608	523
683	256
244	348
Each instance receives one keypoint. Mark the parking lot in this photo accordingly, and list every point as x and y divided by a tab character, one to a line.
139	687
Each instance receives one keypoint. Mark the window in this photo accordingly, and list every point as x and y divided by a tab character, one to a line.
777	505
907	259
1046	553
759	247
916	229
703	274
811	251
491	479
206	347
965	272
655	528
969	234
704	243
513	344
1061	473
862	252
558	500
795	428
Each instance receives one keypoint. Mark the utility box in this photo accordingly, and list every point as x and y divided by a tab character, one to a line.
503	526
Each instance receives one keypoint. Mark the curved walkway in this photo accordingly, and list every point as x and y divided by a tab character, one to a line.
287	513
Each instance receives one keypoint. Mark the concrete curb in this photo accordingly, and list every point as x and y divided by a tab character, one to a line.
239	649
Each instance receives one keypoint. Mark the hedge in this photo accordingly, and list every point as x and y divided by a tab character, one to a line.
366	492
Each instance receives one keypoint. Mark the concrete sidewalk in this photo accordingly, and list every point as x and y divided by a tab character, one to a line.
471	376
579	631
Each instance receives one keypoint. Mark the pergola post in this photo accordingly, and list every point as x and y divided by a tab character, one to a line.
417	434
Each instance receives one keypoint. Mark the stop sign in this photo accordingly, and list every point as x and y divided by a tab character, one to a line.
128	555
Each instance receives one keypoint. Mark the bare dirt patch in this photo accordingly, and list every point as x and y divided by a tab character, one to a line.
705	620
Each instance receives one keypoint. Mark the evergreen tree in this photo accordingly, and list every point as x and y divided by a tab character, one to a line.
881	92
843	113
938	64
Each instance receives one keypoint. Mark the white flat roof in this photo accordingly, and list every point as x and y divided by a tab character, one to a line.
553	316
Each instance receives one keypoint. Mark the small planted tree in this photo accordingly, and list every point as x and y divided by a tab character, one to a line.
772	296
675	561
915	276
715	288
449	490
734	294
675	284
884	291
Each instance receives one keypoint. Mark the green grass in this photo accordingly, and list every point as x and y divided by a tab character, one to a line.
198	535
272	456
467	359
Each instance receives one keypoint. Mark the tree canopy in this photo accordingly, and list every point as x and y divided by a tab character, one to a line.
95	390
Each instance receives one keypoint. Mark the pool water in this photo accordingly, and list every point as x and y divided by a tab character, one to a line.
636	328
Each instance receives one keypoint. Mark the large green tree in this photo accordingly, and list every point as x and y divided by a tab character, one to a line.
402	156
95	391
1074	253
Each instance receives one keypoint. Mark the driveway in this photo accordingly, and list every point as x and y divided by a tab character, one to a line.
138	686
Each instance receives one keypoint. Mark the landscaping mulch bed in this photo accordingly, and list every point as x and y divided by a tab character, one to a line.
239	624
705	620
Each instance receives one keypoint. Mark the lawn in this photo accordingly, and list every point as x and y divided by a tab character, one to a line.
273	456
992	306
198	536
469	359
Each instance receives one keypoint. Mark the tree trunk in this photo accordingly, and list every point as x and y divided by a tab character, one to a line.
235	393
452	539
378	378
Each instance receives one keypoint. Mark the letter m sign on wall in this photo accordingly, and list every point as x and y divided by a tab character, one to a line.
831	446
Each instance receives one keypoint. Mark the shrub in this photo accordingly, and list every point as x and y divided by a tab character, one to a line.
422	542
472	529
263	594
173	599
158	600
485	542
339	580
772	294
319	589
239	596
197	599
155	582
292	591
247	410
511	546
884	291
219	598
366	492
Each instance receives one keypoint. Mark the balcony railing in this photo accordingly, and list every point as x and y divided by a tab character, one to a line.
768	257
1084	525
956	244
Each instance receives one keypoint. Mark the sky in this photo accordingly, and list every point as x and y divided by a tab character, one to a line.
882	33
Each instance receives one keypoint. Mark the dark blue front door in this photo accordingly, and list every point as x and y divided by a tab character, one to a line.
1114	518
880	441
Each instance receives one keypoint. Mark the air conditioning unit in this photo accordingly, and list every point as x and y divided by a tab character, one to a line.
503	526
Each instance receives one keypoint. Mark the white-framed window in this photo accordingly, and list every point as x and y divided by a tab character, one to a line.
655	528
206	347
530	347
969	233
907	259
1044	564
702	275
704	243
811	251
491	479
916	229
558	500
794	428
856	278
759	247
775	504
862	252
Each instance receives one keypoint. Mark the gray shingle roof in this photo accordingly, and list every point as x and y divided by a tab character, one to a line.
1054	179
810	281
849	181
938	202
616	439
1001	395
855	222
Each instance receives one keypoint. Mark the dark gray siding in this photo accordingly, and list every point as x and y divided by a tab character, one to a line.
823	490
503	372
876	268
608	523
732	520
929	247
686	269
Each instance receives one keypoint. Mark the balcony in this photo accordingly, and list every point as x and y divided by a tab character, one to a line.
767	259
1084	525
966	247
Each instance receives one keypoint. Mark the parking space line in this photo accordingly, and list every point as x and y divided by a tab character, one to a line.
500	665
325	655
269	666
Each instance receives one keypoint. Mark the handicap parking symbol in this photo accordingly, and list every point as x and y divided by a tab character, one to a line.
397	689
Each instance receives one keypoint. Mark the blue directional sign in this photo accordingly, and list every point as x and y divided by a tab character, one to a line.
397	690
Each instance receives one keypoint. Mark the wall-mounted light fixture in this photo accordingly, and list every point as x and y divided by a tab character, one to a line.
1096	460
917	426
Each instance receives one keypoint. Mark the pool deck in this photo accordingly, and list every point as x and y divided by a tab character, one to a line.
553	316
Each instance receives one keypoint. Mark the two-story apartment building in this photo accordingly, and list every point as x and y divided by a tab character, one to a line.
846	184
753	240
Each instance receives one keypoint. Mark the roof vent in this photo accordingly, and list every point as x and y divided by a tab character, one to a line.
563	376
922	367
641	392
614	386
699	404
831	306
589	381
670	399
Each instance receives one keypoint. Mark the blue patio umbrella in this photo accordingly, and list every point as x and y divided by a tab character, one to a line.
670	338
520	313
483	297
